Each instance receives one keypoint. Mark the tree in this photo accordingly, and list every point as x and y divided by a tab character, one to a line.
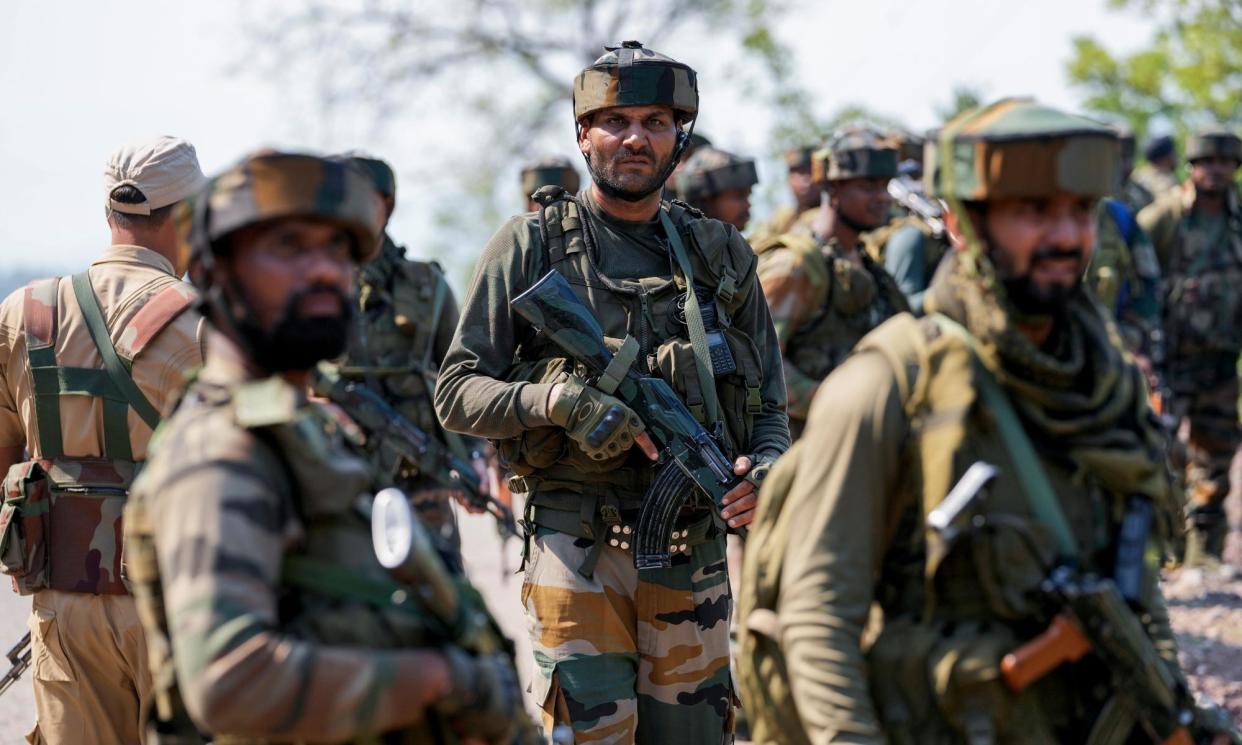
1190	75
965	97
500	69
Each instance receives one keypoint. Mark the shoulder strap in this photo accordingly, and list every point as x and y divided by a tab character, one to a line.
694	322
154	315
39	322
437	310
1038	490
118	371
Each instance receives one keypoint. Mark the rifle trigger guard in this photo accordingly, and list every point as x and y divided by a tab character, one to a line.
619	366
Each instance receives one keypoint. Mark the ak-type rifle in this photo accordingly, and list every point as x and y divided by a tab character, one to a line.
690	458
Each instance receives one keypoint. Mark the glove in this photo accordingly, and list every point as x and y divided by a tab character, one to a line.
485	699
762	463
601	424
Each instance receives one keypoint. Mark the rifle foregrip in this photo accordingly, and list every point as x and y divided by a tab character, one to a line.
1061	642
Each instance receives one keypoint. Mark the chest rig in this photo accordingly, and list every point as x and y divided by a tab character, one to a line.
1202	299
400	305
61	520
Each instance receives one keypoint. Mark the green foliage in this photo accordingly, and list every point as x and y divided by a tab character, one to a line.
1189	76
965	97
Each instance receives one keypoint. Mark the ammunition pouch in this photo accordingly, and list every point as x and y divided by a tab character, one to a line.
60	526
738	389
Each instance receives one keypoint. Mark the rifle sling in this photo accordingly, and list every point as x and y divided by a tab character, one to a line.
1035	485
694	323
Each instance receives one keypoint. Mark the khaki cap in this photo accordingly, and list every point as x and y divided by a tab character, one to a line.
165	170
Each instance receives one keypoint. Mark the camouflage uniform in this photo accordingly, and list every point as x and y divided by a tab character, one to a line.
86	425
268	616
404	322
1150	182
620	656
1201	259
1126	278
894	428
821	302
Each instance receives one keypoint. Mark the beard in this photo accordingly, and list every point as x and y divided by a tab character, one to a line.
607	176
1031	299
298	342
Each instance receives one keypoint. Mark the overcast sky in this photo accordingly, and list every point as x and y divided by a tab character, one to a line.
78	80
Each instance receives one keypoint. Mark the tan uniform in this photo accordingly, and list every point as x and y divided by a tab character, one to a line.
89	657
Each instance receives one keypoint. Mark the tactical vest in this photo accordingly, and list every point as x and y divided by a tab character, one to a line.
850	302
400	304
951	611
652	311
1203	307
60	526
934	247
332	590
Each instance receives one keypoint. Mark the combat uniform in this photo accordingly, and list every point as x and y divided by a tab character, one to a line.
623	657
269	617
821	302
909	250
784	217
894	429
86	366
1125	276
1151	183
1201	260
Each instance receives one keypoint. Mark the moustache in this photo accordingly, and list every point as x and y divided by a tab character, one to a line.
1053	254
643	152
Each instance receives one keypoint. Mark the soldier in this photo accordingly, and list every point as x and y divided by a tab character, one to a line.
824	290
718	183
622	656
1017	372
1132	193
87	365
803	188
1158	174
1197	233
268	616
555	171
405	321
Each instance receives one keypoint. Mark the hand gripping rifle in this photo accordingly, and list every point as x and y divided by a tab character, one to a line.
19	660
401	440
690	457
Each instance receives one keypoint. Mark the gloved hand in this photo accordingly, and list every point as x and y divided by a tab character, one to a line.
485	700
601	424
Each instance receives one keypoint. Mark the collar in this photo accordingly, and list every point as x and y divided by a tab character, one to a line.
137	255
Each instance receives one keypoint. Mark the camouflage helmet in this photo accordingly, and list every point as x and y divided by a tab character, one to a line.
555	171
710	171
855	154
631	75
271	185
380	173
800	158
1019	148
1214	142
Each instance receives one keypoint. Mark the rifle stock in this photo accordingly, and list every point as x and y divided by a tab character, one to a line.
690	457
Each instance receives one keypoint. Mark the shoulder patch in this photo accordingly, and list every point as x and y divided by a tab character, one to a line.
39	312
154	315
264	403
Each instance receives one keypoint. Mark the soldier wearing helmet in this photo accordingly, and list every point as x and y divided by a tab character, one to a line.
255	499
802	188
619	656
402	325
555	171
1013	396
719	184
88	365
824	290
1197	232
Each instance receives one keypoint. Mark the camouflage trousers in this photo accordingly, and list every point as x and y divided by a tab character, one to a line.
630	659
1211	414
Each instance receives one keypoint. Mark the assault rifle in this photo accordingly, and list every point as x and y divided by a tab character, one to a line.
19	660
906	192
401	440
690	458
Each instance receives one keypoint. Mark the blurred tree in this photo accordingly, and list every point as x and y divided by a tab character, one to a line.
1189	76
965	97
502	67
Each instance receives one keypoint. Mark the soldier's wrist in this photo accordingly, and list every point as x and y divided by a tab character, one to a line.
533	402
